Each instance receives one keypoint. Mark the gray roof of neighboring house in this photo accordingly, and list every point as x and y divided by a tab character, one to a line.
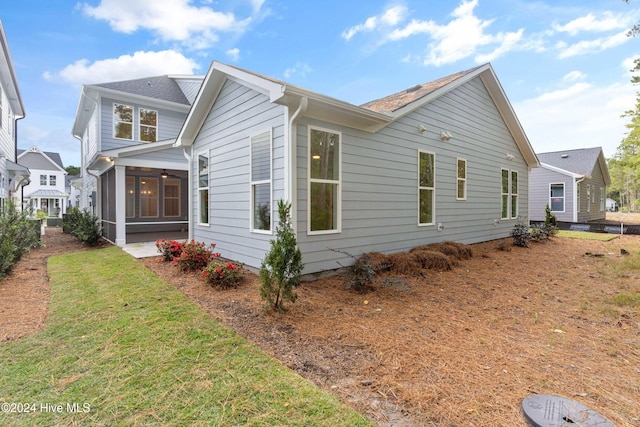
398	100
159	87
47	193
53	156
580	161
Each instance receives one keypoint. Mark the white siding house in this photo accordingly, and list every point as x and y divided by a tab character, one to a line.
46	192
12	175
446	160
132	177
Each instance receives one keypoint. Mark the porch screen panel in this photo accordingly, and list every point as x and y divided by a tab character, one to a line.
148	197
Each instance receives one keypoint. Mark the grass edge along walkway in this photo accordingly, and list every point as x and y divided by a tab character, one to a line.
123	347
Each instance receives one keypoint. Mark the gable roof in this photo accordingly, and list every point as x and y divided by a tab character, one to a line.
51	157
8	75
369	117
579	161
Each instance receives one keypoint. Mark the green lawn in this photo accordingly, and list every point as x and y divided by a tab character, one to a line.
128	349
605	237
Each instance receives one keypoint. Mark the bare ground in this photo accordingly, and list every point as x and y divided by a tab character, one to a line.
454	348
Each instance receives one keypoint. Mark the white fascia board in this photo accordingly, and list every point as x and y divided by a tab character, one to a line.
561	171
142	148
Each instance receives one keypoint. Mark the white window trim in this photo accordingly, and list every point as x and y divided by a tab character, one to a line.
602	199
464	179
264	181
564	196
205	154
508	194
433	190
133	121
588	197
578	197
338	228
511	194
140	125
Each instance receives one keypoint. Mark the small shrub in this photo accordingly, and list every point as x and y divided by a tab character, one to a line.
282	265
82	224
550	223
521	235
18	234
195	256
223	275
169	249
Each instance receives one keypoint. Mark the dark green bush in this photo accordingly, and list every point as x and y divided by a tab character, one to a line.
521	235
82	224
18	234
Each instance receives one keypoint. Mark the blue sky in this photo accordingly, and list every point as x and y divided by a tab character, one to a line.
564	65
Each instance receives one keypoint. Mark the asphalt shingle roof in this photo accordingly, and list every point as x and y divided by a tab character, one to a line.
159	87
580	161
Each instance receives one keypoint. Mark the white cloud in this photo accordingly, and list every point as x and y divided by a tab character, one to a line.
579	116
590	46
170	20
233	54
460	38
125	67
606	22
388	18
300	68
574	76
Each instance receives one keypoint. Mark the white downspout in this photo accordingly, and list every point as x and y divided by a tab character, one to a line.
189	156
290	162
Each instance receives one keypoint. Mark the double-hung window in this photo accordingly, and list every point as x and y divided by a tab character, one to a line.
123	121
261	182
148	125
52	180
578	201
601	199
461	193
203	190
426	187
509	194
324	192
556	197
43	179
588	197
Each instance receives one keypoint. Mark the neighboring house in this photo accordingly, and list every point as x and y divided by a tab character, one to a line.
612	205
572	182
446	160
73	187
132	176
46	191
12	175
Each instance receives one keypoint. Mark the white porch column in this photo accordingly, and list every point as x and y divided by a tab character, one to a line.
121	212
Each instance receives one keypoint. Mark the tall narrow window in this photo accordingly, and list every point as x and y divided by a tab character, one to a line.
261	182
462	180
203	190
130	198
601	199
578	197
324	180
588	197
514	194
43	179
556	197
505	194
123	121
426	188
148	125
171	196
148	197
52	180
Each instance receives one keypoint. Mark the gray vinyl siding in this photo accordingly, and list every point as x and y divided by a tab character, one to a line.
597	181
169	124
380	177
238	114
541	180
189	87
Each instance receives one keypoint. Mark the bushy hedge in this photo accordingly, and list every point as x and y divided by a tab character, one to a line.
18	234
82	224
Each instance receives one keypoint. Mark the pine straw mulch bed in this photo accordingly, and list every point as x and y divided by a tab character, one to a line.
454	347
445	348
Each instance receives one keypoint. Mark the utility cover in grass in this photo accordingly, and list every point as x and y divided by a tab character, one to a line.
542	410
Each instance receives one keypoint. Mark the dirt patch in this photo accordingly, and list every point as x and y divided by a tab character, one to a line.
448	348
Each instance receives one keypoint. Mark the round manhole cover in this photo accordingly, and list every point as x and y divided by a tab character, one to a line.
542	410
